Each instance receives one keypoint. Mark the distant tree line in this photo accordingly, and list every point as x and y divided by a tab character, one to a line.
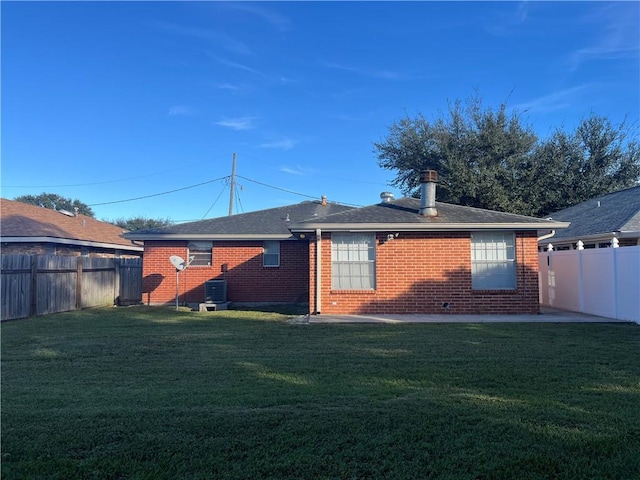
56	202
490	159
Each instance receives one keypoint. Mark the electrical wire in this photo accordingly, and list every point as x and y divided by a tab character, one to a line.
318	175
115	181
214	202
158	194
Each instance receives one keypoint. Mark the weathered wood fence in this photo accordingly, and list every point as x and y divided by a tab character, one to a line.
43	284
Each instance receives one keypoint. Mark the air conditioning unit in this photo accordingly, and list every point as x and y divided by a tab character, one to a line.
215	291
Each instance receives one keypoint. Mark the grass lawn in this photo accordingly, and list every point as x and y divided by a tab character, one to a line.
151	393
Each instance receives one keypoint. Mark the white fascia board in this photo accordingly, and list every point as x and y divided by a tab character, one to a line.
211	236
416	227
596	237
69	241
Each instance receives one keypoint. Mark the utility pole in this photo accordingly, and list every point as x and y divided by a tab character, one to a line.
233	184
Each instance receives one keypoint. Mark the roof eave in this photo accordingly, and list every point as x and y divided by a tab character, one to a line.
431	227
593	237
70	241
207	236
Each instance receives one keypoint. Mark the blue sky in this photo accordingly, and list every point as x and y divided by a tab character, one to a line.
110	101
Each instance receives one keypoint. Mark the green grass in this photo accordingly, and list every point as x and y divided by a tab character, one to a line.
144	393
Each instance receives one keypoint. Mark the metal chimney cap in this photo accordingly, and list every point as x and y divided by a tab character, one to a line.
386	197
427	176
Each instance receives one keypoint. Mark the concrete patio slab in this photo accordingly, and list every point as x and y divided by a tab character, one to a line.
547	315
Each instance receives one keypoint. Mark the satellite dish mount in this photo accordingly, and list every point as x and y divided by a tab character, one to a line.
180	265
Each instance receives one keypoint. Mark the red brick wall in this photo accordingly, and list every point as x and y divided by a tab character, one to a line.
247	279
419	272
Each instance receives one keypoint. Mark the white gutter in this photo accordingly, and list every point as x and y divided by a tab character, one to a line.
209	236
68	241
428	227
318	270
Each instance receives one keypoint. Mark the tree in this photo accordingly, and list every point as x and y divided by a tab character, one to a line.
487	158
56	202
479	154
140	223
596	159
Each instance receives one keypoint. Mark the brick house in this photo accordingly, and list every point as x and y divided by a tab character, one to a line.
398	256
28	229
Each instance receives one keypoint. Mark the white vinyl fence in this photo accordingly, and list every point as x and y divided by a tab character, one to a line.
602	281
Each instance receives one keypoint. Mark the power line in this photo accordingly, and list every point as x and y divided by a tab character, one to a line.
322	176
158	194
292	192
113	181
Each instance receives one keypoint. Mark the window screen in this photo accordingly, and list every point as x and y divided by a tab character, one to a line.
353	262
271	253
201	253
493	265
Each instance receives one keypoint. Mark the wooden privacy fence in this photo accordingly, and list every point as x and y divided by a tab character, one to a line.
43	284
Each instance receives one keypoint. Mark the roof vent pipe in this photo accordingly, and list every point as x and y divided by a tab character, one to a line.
386	197
428	179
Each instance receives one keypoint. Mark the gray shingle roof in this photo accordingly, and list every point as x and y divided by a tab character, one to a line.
268	223
614	212
404	212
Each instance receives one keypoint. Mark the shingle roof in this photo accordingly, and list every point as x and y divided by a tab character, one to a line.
268	223
614	212
404	213
21	220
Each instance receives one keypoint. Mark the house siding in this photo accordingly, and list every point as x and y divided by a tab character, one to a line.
420	272
248	281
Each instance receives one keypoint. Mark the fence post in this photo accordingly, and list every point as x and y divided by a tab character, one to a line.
117	265
78	283
580	246
34	286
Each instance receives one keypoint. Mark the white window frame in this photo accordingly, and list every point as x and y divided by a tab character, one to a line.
271	253
202	253
353	261
493	260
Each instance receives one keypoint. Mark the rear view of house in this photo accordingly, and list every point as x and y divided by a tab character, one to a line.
398	256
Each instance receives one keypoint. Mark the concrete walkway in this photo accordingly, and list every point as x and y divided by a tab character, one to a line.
547	315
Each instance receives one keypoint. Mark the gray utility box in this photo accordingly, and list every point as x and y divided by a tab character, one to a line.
215	291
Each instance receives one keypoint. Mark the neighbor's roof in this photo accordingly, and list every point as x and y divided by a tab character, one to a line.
402	214
272	223
24	223
617	212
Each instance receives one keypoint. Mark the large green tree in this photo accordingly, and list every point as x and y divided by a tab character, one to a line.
140	223
489	158
56	202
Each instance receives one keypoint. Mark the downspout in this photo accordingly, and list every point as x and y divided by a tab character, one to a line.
318	306
548	235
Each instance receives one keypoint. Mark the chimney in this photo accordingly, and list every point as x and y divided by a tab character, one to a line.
323	200
428	179
386	197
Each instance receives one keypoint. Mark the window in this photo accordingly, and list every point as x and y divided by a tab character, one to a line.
200	254
353	262
493	265
271	253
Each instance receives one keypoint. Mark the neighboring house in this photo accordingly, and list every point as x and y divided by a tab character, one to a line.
28	229
598	221
398	256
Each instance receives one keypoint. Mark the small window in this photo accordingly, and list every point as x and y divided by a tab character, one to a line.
353	261
493	265
271	253
200	254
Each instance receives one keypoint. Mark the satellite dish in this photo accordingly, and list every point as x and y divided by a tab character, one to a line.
177	262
